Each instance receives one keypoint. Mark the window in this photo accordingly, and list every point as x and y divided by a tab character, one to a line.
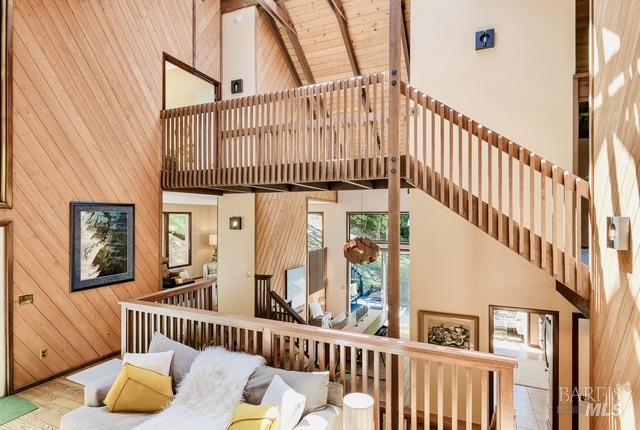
368	282
177	238
315	230
374	226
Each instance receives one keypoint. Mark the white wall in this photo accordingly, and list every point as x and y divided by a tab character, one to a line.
239	51
184	89
236	258
456	268
522	88
335	236
204	222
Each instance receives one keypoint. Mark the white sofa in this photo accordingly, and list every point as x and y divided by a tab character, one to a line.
95	416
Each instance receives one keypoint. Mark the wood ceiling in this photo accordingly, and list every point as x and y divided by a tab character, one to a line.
325	40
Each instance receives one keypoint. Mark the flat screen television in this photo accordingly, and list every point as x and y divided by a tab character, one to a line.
296	279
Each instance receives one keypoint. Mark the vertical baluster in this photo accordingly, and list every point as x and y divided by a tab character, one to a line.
416	175
521	249
376	387
332	362
569	185
460	164
400	390
470	170
365	370
578	233
350	152
343	365
484	402
480	162
383	119
354	370
442	174
511	227
374	131
414	394
388	388
345	135
432	188
555	217
500	186
405	145
450	119
440	396
469	402
426	394
532	210
423	110
490	141
454	397
367	147
543	214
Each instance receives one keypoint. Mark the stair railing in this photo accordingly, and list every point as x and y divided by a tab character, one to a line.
526	202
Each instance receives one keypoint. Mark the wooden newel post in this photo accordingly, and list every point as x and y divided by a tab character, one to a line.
393	172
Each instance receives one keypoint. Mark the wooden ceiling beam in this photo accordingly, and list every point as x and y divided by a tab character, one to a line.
233	5
281	16
338	10
284	50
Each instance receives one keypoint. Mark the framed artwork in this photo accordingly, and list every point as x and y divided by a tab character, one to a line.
445	329
102	244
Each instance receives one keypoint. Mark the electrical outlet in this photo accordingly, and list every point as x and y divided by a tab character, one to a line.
43	353
25	299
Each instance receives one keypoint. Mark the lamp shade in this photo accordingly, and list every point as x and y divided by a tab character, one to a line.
358	412
213	240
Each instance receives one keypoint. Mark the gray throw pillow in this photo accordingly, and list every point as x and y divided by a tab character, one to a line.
183	355
314	386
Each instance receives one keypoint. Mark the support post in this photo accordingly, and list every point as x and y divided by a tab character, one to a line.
393	172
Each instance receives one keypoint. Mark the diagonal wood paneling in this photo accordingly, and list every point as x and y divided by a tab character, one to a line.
87	96
208	28
273	73
615	311
281	232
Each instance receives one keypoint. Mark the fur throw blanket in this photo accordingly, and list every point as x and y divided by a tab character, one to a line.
210	393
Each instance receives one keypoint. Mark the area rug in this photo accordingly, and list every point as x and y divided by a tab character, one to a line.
13	407
94	373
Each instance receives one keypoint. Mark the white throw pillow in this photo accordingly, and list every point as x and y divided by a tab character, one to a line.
290	403
159	362
316	310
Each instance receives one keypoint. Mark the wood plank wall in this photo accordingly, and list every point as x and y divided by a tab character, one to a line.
582	36
615	327
273	73
281	232
87	97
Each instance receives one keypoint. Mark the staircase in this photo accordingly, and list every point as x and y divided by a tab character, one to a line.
270	305
333	136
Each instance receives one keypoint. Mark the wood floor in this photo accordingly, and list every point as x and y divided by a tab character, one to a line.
54	399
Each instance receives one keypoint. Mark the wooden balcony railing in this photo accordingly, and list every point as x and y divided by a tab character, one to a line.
318	135
452	385
308	134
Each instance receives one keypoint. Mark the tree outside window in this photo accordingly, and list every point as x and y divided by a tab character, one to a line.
177	238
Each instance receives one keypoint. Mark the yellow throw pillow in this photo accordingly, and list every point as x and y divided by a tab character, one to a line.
139	390
255	417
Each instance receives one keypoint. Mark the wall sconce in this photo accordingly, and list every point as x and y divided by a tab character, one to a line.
618	228
235	223
485	39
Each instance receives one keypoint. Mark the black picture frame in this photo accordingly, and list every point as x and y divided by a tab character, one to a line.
76	210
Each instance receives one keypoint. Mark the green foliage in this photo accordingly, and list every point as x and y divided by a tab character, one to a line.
375	226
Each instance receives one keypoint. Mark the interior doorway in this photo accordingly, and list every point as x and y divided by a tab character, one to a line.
531	337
